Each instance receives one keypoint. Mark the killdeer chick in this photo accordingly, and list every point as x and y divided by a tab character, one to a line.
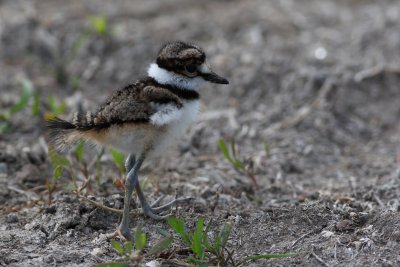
143	118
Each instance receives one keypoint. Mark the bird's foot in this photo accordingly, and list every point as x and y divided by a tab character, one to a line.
154	212
122	232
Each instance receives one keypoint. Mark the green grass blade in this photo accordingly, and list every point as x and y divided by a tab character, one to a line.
161	245
205	239
25	97
217	248
140	239
79	151
128	247
225	233
60	109
117	246
55	109
52	103
178	225
233	149
224	149
196	262
36	104
118	158
163	232
98	24
238	164
57	172
57	159
197	244
98	165
265	256
4	126
77	44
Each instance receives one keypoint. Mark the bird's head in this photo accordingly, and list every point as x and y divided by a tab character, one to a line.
183	65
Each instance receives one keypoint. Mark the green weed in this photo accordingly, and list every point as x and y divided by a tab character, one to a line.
22	103
207	251
98	166
98	24
36	104
242	167
135	255
118	158
79	170
55	108
59	164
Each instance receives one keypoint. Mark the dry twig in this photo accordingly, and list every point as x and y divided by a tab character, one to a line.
301	237
374	71
318	258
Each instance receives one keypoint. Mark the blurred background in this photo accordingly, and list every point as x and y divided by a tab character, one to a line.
312	109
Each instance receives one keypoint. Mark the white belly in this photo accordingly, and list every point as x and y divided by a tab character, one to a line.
132	139
177	127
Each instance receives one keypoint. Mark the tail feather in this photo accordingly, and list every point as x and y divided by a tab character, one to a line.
63	134
57	123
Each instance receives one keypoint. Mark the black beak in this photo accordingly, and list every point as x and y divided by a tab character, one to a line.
214	78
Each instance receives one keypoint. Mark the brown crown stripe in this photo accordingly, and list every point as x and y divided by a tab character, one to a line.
174	55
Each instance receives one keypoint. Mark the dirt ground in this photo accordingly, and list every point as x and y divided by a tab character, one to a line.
317	82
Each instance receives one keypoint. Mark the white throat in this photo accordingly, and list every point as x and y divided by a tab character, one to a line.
164	76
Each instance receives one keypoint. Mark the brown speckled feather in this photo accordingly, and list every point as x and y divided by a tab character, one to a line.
148	113
126	107
130	104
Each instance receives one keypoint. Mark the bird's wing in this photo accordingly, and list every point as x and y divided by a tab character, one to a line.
165	106
133	104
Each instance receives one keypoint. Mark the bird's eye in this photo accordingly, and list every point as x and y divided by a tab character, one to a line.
191	68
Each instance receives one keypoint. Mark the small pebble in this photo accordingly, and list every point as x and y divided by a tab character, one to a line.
153	263
344	225
200	205
51	209
86	230
30	226
327	234
12	218
97	252
357	245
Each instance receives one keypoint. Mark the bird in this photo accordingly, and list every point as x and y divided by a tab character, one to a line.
144	118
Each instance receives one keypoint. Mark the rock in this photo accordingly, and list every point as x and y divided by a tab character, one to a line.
31	225
344	225
199	205
97	252
12	218
51	210
153	263
327	234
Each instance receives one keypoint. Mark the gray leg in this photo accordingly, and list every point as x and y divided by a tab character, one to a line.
130	162
151	210
131	182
